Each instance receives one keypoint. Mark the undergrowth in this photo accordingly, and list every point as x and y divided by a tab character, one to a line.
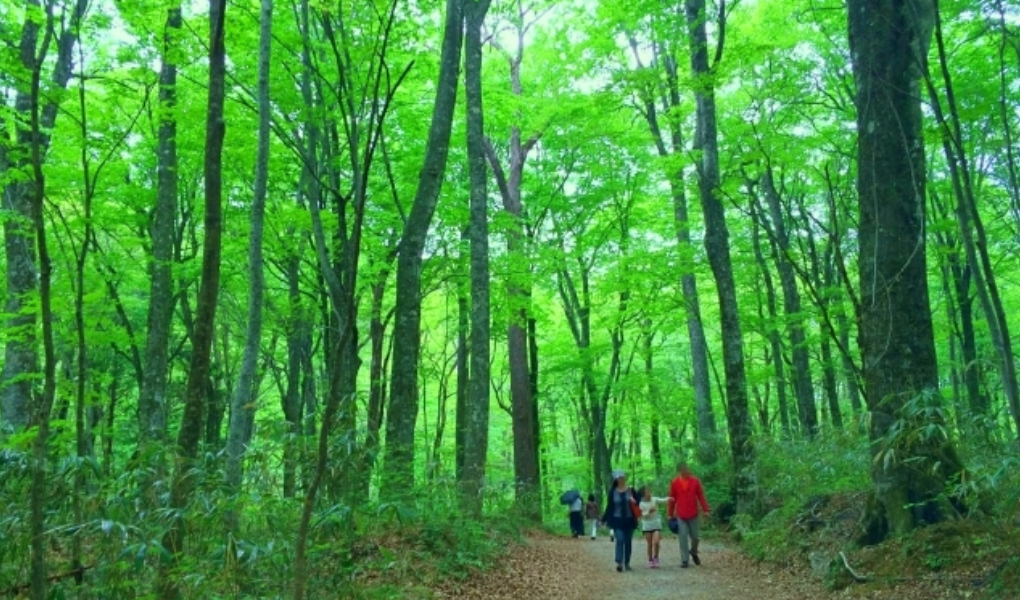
358	548
814	498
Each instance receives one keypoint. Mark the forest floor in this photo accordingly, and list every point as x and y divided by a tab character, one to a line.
581	569
558	567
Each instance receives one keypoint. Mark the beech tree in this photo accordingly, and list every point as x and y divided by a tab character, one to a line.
476	419
190	431
717	248
402	412
890	41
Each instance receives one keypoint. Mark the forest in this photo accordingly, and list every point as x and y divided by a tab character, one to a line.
294	286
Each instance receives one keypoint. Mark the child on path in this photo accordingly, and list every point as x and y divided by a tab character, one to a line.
687	494
591	511
651	524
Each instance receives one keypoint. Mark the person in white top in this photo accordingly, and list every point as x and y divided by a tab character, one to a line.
651	523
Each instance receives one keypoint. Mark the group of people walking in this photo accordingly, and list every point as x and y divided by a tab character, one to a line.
627	510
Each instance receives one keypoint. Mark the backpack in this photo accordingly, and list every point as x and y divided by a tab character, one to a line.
635	508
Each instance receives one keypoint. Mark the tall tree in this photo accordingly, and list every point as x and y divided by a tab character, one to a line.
476	435
363	107
509	182
803	388
663	112
24	242
152	400
242	404
775	339
973	235
20	365
189	434
890	40
717	247
402	412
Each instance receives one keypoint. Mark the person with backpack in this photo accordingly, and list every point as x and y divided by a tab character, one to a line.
576	520
591	512
687	495
621	516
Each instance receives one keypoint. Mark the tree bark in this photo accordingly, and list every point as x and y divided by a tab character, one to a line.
476	435
377	373
533	387
403	409
243	401
189	435
889	40
152	400
463	378
653	396
291	399
717	248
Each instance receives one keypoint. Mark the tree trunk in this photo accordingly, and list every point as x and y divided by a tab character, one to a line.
525	424
850	374
653	395
543	464
20	346
152	400
829	383
291	400
403	409
889	40
823	277
1007	40
775	339
803	389
594	402
707	429
463	379
476	434
972	230
189	434
376	375
717	248
243	402
24	241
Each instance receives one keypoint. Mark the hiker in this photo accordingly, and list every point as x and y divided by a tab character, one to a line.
687	494
651	524
576	517
621	517
591	511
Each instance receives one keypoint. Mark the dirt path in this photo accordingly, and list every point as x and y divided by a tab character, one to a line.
567	569
723	575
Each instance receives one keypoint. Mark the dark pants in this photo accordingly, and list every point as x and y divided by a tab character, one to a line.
576	523
624	545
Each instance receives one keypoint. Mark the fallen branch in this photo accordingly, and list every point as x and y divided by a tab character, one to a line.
846	563
77	573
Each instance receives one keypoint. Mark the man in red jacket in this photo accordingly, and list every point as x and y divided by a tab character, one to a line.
687	494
